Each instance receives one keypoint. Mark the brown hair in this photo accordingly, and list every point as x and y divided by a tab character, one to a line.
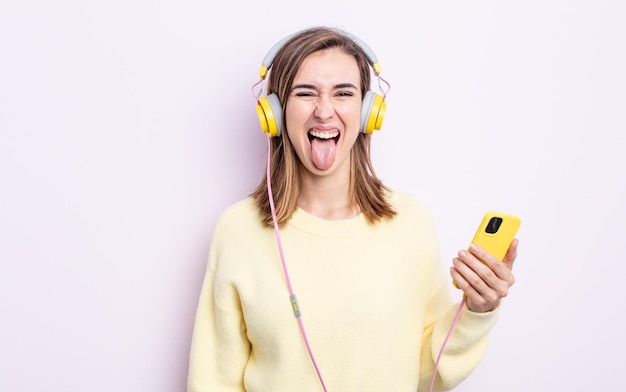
368	192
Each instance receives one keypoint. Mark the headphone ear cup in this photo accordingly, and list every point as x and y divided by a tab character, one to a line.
372	112
270	113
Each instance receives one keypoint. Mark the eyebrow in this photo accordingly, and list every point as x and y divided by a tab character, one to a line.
335	87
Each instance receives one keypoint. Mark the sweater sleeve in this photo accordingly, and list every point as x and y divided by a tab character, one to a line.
463	351
219	347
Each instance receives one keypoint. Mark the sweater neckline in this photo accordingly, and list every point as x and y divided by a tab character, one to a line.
312	224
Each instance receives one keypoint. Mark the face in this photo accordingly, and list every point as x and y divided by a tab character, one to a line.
323	112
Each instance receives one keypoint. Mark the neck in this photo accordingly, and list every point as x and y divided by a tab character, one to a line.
327	198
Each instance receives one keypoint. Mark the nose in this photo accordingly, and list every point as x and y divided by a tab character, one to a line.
324	108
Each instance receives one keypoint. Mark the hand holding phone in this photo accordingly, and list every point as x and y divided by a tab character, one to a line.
496	233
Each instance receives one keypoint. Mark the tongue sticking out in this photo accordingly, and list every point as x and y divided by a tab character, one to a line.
323	152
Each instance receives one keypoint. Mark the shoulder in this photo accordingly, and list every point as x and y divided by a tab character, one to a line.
408	204
242	209
412	214
238	218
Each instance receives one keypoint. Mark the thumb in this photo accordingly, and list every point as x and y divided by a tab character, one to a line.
511	254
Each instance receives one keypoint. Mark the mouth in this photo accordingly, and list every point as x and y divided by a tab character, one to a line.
323	135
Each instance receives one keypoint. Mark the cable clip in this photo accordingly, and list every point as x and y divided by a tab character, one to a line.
295	306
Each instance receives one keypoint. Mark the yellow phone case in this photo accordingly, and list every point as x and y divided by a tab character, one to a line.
495	233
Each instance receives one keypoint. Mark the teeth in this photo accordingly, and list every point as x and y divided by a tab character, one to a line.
324	135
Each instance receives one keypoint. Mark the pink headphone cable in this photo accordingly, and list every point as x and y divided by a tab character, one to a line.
445	341
294	299
292	296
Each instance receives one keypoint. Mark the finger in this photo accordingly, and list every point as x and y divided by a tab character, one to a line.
480	253
480	262
511	254
477	301
500	269
487	275
461	283
474	273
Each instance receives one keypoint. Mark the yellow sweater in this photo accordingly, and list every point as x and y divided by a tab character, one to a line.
375	302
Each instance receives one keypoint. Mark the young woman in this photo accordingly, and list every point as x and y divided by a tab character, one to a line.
373	305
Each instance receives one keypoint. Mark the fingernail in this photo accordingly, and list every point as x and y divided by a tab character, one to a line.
462	254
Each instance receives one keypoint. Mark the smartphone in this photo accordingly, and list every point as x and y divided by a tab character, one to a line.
495	233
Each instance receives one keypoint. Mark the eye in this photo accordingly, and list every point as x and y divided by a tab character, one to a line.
345	94
304	92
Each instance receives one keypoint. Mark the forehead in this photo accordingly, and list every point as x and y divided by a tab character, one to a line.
328	65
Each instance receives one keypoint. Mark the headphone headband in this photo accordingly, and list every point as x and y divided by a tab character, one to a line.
268	60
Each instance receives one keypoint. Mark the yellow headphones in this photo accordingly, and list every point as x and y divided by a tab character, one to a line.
270	110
